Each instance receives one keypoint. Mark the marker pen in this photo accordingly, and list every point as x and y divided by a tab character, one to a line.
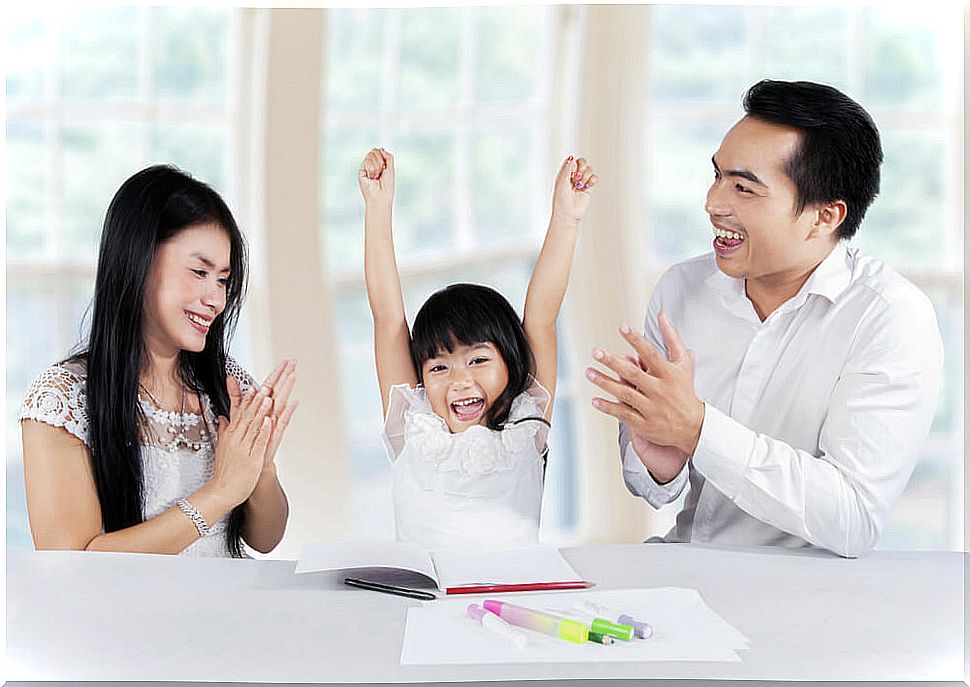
495	624
603	626
641	630
539	621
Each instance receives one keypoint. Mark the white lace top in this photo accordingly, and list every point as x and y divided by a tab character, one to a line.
177	449
479	488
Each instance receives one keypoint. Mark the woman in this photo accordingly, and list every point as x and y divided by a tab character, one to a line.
151	439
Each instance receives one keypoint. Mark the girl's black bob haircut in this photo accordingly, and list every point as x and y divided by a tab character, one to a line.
469	314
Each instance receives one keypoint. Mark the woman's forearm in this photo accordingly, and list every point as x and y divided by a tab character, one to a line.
169	532
267	511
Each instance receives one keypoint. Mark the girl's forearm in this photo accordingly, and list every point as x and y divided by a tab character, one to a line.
547	287
380	268
267	511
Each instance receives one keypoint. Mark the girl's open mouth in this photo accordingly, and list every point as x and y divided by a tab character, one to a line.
468	409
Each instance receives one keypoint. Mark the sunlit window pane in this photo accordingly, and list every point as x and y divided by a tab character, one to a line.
343	207
105	147
907	225
906	55
25	55
508	53
424	201
355	58
198	149
429	56
190	52
99	54
687	41
27	177
819	53
502	183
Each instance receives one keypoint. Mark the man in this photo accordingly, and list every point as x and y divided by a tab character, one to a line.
798	411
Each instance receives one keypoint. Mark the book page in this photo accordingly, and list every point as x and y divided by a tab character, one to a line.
369	555
519	566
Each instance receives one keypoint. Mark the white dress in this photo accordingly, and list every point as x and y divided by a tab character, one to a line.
177	449
477	489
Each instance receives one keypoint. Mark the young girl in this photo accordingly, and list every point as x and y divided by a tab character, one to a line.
123	450
468	394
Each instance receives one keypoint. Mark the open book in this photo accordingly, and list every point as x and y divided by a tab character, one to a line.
395	562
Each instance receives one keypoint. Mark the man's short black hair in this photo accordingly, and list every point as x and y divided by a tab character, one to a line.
839	154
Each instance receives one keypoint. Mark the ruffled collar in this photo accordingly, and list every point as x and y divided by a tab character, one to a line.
478	450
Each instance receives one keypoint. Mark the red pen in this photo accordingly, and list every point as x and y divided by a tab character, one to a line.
525	587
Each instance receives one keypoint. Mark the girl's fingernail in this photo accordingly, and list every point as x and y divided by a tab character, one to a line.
598	353
590	374
625	328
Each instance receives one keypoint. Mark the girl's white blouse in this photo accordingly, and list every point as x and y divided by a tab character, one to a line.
171	469
477	489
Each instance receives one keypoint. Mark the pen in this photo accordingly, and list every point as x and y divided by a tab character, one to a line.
524	587
601	638
495	624
546	623
600	626
390	589
641	630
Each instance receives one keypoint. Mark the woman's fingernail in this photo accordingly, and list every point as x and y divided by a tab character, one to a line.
598	353
625	328
590	374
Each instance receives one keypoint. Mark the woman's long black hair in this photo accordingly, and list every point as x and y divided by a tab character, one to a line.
149	209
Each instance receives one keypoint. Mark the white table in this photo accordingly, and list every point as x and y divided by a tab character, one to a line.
809	616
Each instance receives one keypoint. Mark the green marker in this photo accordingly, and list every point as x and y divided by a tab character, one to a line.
605	627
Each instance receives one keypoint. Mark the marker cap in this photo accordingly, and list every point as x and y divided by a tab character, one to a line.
640	630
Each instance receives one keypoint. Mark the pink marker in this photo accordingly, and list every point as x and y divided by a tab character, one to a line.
546	623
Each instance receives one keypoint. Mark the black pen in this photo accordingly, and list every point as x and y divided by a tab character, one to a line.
390	589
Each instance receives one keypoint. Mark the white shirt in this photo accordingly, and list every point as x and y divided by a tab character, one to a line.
477	489
814	418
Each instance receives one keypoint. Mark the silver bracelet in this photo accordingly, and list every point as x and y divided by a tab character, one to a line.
194	515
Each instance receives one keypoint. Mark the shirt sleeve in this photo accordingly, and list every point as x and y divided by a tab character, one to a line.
639	480
635	474
246	380
878	418
57	398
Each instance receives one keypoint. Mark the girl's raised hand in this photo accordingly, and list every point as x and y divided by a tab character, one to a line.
570	198
376	176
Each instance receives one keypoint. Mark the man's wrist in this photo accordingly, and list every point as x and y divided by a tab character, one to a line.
692	434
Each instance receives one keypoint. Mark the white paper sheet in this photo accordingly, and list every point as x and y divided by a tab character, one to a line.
684	629
534	564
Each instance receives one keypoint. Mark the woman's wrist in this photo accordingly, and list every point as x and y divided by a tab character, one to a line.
213	500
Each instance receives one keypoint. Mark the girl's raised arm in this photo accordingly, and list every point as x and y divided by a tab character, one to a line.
392	339
550	277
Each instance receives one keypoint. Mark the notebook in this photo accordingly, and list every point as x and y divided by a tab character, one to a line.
401	562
